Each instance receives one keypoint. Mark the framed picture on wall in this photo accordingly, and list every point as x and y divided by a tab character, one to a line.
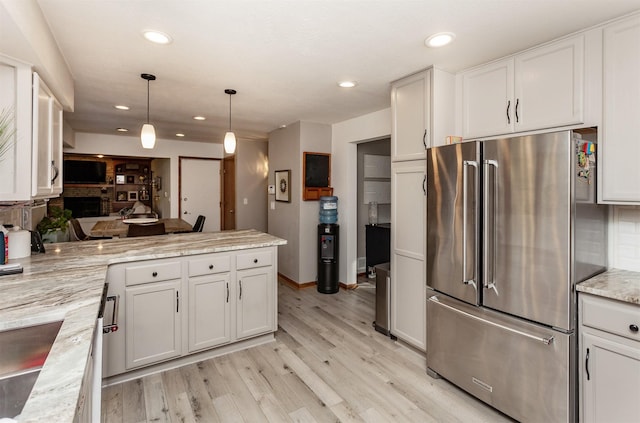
121	196
283	185
120	179
133	196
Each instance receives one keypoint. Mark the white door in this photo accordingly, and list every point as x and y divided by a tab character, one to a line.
200	192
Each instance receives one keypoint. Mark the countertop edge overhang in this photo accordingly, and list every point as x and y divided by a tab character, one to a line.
616	284
66	284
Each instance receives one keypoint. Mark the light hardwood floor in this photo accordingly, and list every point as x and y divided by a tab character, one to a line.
327	364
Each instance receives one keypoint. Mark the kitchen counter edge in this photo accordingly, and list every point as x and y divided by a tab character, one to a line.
617	284
66	284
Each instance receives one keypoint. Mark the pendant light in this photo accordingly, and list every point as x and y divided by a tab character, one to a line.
148	134
229	137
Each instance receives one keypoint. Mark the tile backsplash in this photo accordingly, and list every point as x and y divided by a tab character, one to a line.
624	238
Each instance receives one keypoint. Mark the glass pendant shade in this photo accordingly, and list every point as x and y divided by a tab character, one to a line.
148	136
229	142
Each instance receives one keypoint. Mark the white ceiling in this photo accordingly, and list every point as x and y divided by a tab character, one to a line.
284	57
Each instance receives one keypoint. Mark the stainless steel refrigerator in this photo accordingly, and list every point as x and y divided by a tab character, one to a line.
512	226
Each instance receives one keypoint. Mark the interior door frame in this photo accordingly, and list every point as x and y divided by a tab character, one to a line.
180	158
225	194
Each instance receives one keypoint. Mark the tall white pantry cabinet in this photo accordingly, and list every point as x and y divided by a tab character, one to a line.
422	116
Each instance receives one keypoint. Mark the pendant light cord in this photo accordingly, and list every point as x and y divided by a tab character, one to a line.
229	112
148	101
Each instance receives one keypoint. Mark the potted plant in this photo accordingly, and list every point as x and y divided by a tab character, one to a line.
55	227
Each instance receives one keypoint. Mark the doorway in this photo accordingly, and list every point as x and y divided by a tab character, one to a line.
200	187
229	193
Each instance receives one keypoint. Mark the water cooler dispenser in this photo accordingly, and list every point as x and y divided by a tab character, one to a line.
328	240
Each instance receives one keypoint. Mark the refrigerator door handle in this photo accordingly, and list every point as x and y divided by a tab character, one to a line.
466	164
490	226
545	340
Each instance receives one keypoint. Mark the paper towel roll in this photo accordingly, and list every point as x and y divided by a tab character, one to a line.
19	244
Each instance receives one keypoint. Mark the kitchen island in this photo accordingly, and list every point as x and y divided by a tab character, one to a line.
66	284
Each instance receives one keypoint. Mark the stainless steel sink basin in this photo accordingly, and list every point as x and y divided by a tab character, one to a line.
22	354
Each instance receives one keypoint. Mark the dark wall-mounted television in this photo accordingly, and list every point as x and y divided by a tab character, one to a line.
85	172
317	169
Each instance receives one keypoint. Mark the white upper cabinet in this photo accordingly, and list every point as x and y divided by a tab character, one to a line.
15	86
47	142
619	149
540	88
36	124
410	101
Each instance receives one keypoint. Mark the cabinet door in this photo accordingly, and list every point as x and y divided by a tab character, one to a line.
152	323
610	380
549	85
41	168
619	150
256	299
15	161
56	149
408	273
209	311
410	102
487	100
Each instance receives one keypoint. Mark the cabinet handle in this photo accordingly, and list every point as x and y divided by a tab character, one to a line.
240	290
508	116
517	104
211	267
255	260
154	274
227	291
424	139
586	365
56	172
633	328
424	184
177	301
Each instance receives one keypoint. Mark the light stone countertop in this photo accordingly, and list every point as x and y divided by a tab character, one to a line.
66	284
617	284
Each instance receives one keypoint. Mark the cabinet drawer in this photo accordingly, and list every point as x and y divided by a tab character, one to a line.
152	272
209	264
253	259
611	316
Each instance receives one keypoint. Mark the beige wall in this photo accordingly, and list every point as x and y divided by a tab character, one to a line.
296	221
252	168
284	218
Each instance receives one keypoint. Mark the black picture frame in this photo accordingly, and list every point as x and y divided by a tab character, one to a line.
283	185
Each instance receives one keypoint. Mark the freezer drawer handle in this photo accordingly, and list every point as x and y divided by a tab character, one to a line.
465	194
546	341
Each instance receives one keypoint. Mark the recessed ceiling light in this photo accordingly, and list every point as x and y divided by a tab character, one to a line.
440	39
283	126
179	135
156	36
199	118
122	130
100	156
347	84
121	107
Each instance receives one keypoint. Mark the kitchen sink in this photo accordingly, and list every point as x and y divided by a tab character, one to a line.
22	354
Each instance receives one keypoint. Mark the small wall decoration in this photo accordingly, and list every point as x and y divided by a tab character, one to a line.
131	179
133	196
121	196
119	179
283	185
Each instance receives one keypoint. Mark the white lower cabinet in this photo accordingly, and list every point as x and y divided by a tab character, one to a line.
153	322
224	297
255	306
209	311
610	360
